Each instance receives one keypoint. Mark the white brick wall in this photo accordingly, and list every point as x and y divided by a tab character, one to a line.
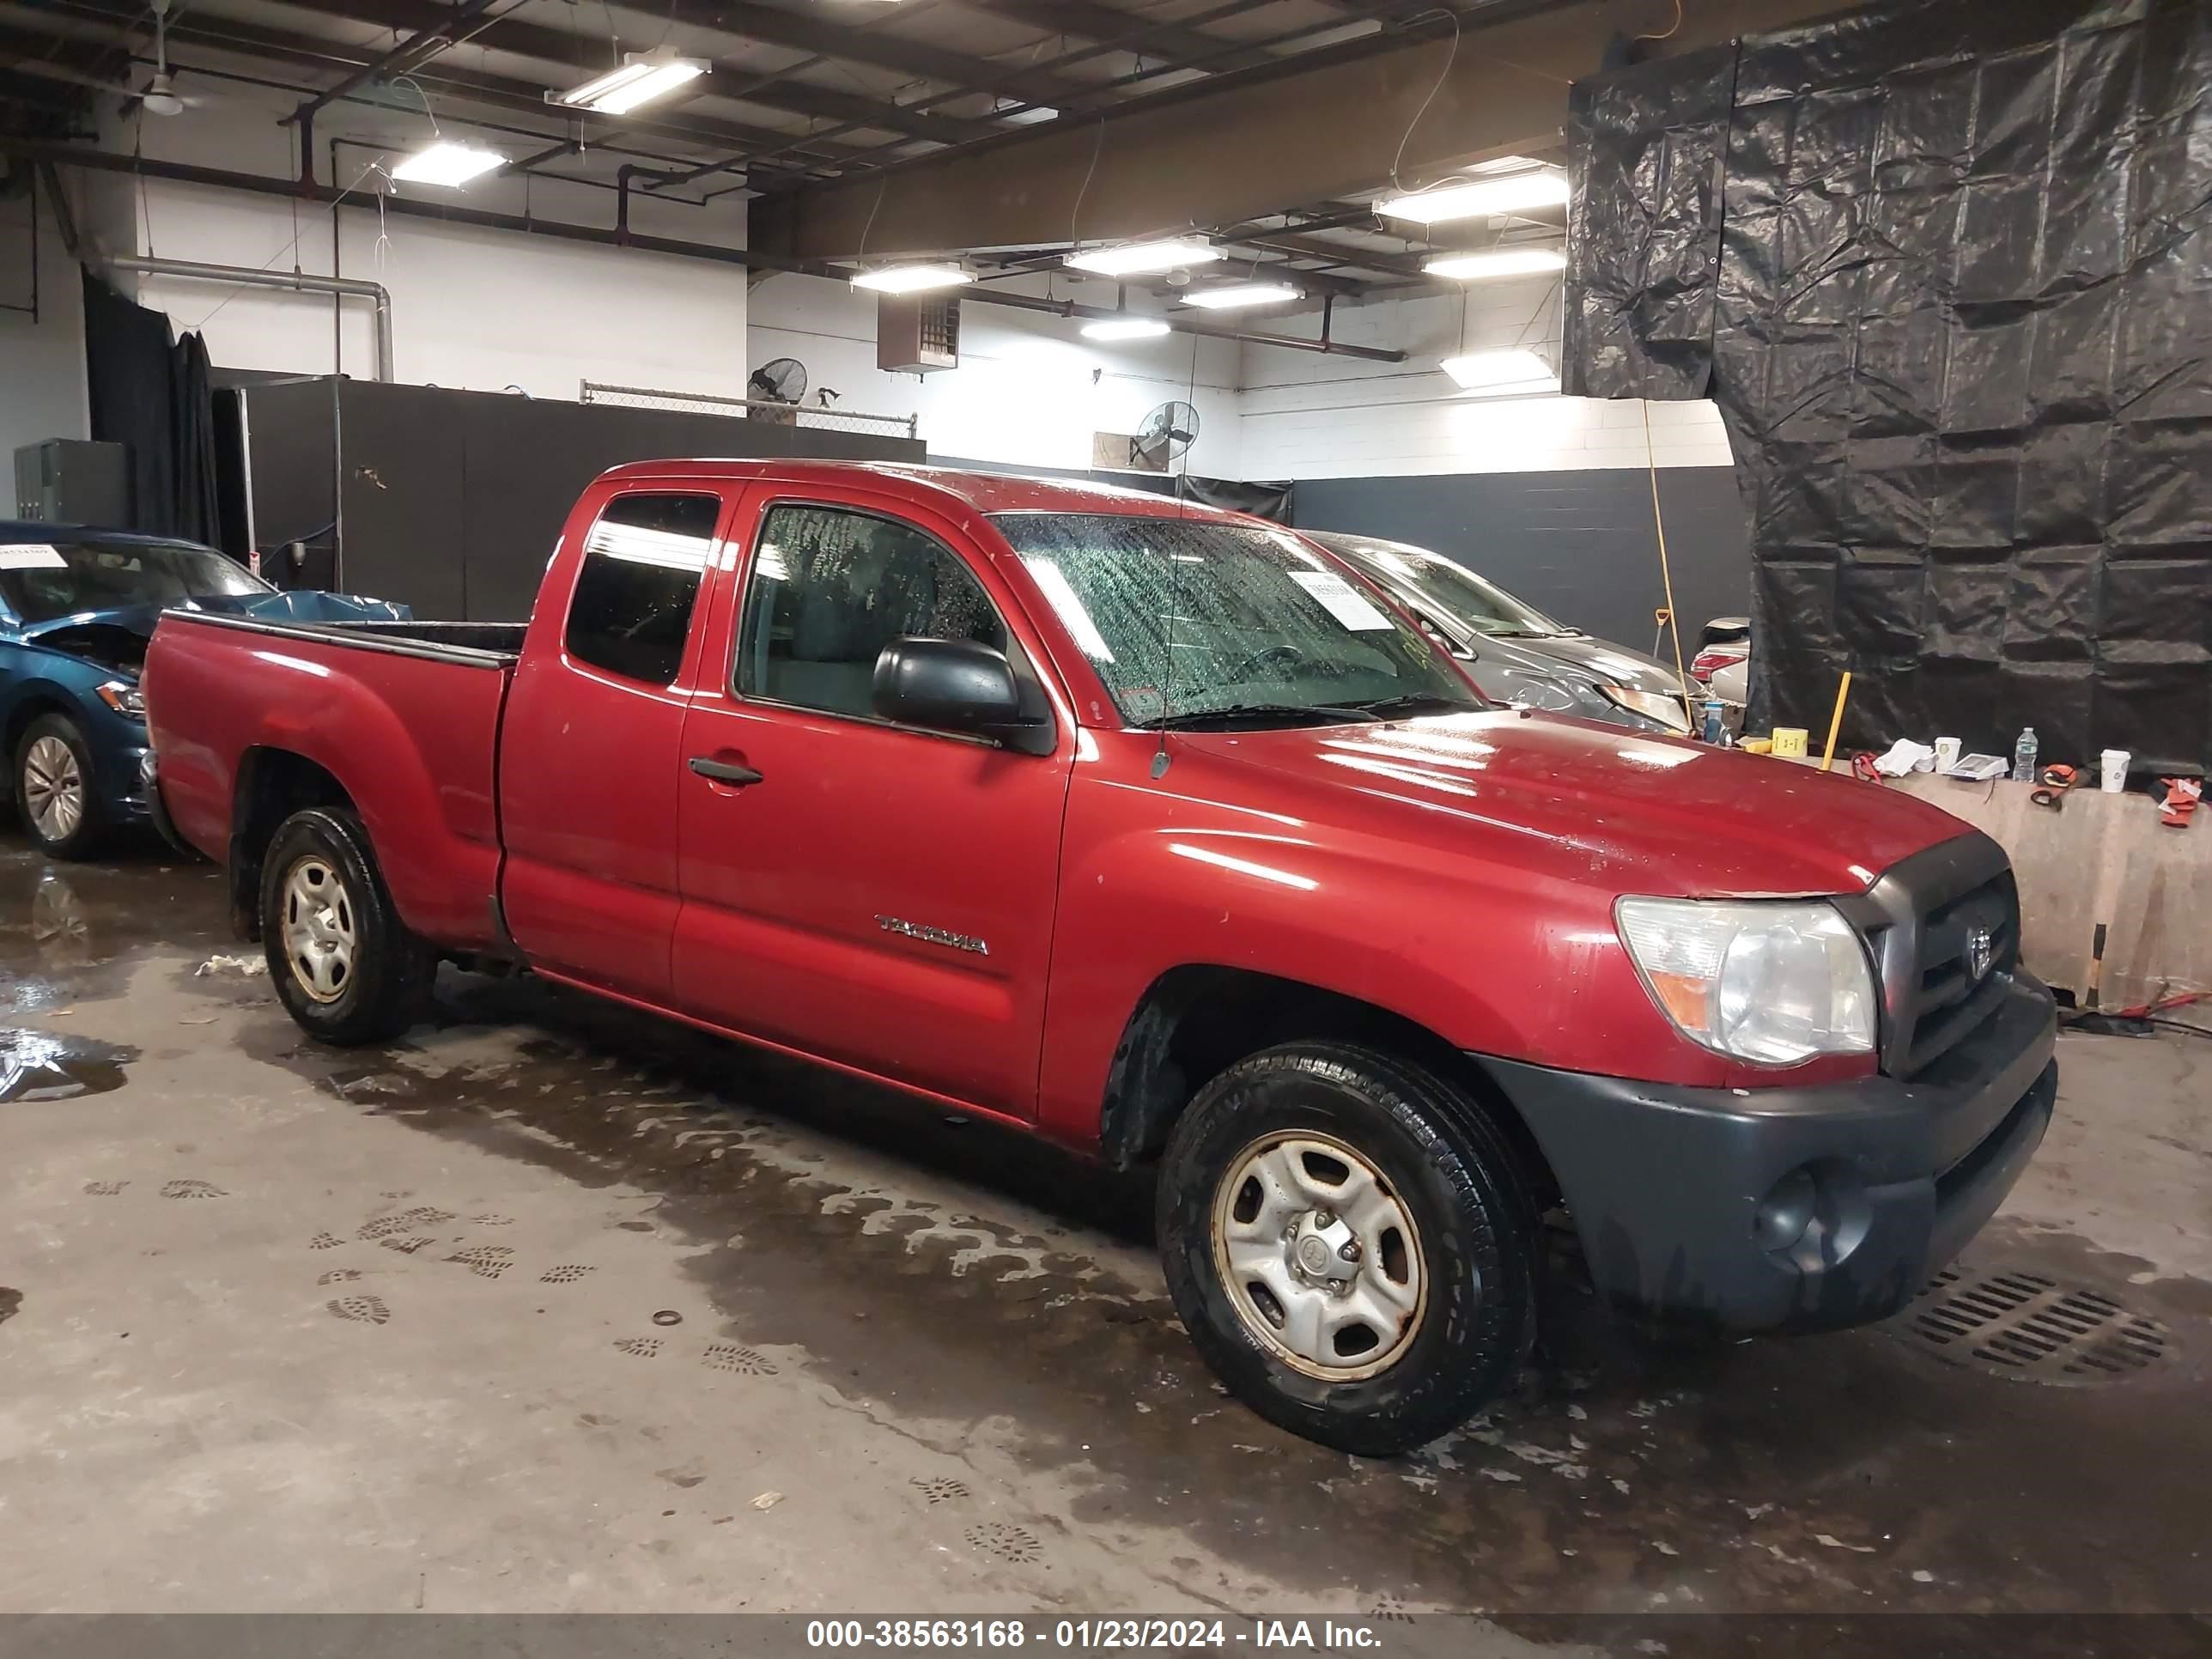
1307	418
1029	390
483	309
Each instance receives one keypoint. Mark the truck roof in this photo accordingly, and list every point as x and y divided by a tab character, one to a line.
981	492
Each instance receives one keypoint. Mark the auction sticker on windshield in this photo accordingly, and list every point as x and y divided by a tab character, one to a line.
30	555
1341	599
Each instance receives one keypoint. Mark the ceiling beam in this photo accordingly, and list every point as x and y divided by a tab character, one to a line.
318	54
1087	20
1332	124
589	55
810	30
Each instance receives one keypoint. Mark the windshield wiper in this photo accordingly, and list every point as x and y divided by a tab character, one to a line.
1285	712
1411	703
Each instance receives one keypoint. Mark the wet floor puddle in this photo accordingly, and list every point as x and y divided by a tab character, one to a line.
39	1066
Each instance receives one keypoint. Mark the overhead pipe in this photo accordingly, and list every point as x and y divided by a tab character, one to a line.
221	178
299	281
417	49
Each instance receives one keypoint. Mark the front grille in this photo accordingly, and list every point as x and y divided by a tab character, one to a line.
1950	1000
1920	920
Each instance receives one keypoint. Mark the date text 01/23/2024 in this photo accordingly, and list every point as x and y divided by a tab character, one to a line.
1084	1634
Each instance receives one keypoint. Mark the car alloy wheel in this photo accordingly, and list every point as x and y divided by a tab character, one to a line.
53	789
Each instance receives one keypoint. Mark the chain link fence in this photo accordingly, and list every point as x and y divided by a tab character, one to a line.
830	417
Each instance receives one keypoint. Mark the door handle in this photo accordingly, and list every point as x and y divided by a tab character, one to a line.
727	772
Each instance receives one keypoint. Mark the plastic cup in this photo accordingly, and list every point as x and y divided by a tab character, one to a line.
2113	763
1947	754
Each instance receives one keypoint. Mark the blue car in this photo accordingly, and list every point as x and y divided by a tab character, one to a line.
76	609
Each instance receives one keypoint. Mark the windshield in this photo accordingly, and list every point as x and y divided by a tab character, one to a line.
45	581
1261	629
1449	587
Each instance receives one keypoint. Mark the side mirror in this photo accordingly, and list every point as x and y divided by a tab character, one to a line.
949	685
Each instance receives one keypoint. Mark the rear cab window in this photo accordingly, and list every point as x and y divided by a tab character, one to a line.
644	557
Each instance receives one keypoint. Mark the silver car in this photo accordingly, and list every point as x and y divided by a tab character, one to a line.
1516	653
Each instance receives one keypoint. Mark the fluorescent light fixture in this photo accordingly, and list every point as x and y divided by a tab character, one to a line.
1125	328
1010	113
642	78
1515	192
912	279
448	163
1505	262
1247	294
1143	258
1515	370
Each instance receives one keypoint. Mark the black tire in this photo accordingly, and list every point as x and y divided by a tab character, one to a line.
1454	1177
82	839
388	971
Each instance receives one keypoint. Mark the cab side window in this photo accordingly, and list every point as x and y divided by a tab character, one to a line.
643	558
830	588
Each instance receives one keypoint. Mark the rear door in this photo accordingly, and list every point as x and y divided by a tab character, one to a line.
876	895
590	750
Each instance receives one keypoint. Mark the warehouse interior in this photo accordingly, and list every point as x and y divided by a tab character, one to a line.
1864	350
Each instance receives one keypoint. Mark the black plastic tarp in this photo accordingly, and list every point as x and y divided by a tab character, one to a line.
150	393
1945	269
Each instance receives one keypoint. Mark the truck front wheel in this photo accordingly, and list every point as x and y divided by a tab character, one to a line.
346	967
1350	1243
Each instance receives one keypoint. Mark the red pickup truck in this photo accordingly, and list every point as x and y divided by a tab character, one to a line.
1158	830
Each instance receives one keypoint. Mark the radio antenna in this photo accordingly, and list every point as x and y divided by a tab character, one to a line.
1167	673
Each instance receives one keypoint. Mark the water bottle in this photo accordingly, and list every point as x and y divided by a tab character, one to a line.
1713	728
2023	756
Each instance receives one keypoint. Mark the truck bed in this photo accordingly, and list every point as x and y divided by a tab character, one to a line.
404	717
456	641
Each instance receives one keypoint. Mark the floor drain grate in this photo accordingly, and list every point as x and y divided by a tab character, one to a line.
2022	1324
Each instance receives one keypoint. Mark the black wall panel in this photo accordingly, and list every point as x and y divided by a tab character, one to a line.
451	501
291	439
1579	545
404	489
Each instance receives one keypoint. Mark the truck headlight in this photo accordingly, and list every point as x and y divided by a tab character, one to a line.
1652	705
1761	981
123	698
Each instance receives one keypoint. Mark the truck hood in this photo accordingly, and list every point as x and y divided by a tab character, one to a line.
117	637
1580	801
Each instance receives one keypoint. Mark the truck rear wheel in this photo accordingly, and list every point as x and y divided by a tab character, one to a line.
1350	1243
346	967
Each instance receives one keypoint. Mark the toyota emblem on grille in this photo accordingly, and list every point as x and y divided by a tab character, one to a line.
1981	952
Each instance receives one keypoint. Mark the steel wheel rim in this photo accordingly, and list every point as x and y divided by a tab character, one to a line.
53	789
319	929
1291	1203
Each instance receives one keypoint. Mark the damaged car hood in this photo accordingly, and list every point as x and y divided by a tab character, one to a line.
117	637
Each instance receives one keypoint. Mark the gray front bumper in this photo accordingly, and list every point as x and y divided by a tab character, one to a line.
1666	1184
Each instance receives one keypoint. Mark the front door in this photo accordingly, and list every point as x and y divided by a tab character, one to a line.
875	895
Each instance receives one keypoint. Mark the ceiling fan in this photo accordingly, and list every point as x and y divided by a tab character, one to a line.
159	96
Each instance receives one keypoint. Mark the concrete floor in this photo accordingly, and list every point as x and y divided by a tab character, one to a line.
548	1308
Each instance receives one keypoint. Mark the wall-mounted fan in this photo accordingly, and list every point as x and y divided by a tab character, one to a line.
783	380
1167	433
